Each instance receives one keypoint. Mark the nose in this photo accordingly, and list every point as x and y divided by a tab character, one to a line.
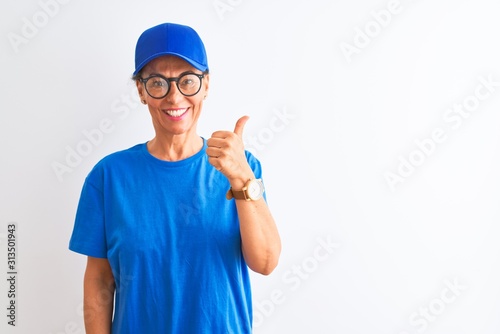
174	95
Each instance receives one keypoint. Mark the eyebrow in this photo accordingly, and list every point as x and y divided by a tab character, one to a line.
180	75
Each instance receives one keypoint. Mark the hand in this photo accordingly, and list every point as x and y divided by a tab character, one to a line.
226	153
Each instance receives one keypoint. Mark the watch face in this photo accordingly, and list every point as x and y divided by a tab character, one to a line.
255	189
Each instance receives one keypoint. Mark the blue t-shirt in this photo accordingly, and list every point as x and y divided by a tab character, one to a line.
172	240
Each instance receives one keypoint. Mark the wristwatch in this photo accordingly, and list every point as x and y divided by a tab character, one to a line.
252	191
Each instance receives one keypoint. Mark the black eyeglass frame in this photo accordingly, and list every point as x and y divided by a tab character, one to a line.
168	80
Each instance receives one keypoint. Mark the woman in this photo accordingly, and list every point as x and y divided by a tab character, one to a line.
171	225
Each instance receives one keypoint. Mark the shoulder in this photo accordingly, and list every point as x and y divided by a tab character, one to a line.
119	160
125	155
251	158
254	163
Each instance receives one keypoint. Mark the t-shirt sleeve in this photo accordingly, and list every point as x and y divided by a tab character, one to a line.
89	234
256	168
254	164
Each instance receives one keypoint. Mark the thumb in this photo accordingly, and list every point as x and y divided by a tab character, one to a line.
240	124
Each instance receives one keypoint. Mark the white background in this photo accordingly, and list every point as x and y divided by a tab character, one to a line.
347	120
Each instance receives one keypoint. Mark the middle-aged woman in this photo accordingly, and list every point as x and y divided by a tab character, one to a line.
171	226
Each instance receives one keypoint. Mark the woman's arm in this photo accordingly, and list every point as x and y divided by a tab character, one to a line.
98	296
261	243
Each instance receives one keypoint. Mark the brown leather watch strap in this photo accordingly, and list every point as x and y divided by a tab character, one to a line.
236	194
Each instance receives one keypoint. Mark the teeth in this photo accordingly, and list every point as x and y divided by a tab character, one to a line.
176	112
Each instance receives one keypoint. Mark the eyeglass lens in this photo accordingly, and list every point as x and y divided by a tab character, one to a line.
188	84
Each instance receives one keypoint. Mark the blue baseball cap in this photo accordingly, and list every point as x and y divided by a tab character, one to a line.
170	39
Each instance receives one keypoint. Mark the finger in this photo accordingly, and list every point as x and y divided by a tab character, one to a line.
216	142
214	163
221	134
240	124
213	152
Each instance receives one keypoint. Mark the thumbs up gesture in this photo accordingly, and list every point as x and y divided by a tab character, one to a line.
226	153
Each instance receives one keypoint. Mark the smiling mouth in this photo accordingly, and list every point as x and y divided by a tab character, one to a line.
175	112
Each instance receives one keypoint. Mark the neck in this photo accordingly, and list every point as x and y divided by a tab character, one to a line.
175	148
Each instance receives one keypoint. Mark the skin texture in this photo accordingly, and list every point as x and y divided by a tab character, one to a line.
98	291
175	139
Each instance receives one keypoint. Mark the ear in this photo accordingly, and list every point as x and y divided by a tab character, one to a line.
206	84
141	91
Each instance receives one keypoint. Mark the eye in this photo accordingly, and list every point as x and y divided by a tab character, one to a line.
157	82
187	81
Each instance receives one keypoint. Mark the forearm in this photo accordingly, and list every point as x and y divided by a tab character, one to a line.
98	305
261	243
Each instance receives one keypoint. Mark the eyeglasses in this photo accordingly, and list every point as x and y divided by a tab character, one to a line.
158	86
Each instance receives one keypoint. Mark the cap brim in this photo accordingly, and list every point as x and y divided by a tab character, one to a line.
193	63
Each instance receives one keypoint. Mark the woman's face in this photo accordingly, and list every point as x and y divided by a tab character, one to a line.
174	114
